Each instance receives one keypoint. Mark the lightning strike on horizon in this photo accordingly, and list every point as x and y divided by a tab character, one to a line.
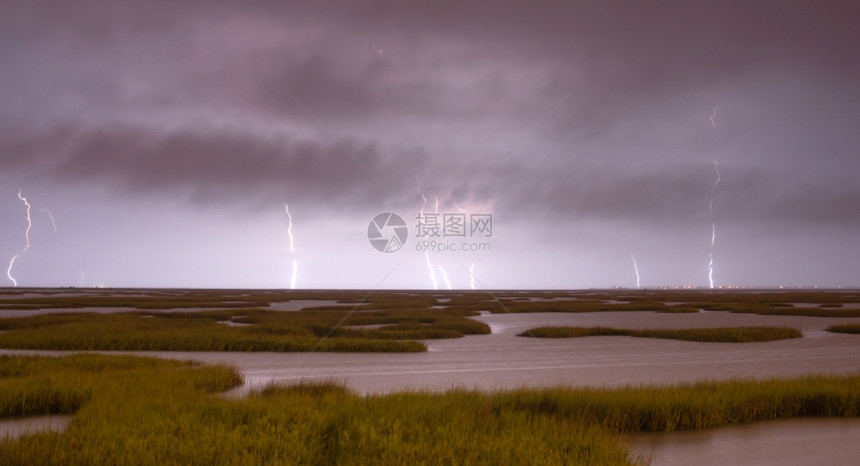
26	236
635	265
714	190
471	266
9	270
290	227
713	227
29	219
635	269
421	222
51	216
472	276
445	277
292	247
295	272
444	274
430	268
713	117
82	277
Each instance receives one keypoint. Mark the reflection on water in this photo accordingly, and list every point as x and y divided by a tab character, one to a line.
830	441
17	427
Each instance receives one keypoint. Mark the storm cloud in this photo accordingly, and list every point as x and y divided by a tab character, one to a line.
562	112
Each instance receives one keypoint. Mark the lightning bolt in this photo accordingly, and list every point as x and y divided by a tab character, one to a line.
635	269
471	266
419	192
472	276
51	216
713	227
444	274
26	237
292	247
714	189
9	270
421	221
430	268
29	220
713	117
445	277
82	277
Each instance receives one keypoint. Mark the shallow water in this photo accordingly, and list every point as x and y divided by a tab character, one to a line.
19	426
830	441
299	304
503	360
818	305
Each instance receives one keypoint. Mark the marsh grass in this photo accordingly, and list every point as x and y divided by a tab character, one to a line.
269	330
697	406
146	411
718	335
678	310
165	413
32	385
844	328
760	302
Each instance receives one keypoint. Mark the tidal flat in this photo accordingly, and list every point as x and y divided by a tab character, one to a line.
347	346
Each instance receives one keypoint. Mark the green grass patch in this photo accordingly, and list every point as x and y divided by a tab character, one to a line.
143	411
720	335
844	328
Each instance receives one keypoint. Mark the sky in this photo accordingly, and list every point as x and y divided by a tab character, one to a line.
165	139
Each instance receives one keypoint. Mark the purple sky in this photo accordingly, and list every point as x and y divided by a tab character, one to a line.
165	138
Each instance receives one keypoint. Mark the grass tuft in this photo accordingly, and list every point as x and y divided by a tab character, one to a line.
721	334
334	331
844	328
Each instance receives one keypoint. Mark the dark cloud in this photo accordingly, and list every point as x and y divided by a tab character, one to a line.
208	167
582	110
